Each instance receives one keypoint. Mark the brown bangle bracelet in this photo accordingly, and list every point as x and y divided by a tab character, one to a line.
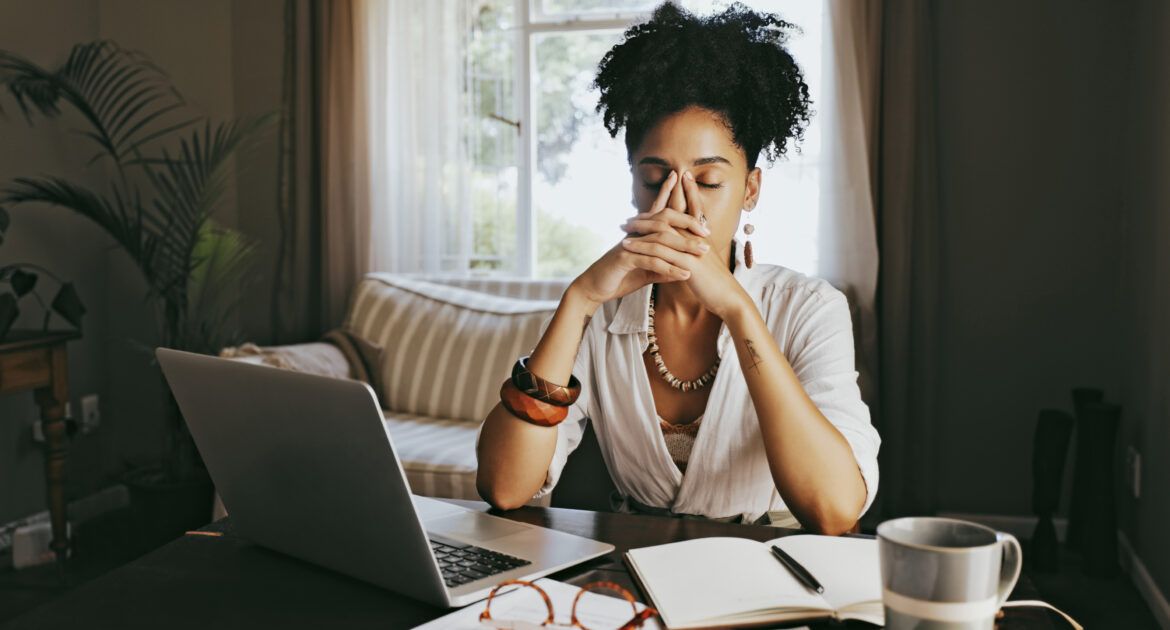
542	390
530	409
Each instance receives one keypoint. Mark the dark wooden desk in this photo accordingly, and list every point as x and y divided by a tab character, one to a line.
226	582
36	360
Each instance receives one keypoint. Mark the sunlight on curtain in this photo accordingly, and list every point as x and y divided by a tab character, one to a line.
418	176
847	240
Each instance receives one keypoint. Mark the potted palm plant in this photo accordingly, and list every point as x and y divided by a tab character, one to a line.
166	174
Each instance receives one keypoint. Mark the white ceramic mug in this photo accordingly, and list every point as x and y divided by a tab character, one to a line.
945	573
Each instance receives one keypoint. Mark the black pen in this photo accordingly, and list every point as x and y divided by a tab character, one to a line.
797	570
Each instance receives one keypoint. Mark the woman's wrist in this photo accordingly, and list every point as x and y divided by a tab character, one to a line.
739	308
575	301
555	353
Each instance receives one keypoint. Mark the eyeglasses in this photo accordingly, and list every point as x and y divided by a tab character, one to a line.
635	621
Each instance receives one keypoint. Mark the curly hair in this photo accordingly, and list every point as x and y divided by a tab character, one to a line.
733	63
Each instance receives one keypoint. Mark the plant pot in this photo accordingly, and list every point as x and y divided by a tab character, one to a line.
164	510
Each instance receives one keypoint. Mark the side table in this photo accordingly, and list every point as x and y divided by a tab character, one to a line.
36	360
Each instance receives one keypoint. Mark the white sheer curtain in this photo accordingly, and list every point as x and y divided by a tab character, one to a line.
414	62
848	107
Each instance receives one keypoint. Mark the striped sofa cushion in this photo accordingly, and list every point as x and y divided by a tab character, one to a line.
438	455
446	349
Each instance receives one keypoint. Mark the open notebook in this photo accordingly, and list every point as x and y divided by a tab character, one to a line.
710	582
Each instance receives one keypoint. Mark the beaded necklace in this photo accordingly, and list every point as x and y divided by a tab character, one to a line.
671	379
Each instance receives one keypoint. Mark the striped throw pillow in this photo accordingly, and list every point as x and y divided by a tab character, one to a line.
445	350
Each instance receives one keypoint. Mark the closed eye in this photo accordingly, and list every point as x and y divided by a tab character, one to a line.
658	186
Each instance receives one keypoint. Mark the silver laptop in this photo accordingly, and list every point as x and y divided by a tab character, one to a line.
305	465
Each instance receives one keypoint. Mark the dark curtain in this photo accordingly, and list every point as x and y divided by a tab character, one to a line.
322	205
909	242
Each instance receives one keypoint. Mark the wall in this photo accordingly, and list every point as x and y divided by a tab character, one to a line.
1146	366
1054	146
1030	172
258	33
225	58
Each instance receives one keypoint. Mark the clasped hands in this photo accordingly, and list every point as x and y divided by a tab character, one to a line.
681	239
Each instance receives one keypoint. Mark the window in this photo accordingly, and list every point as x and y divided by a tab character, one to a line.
547	197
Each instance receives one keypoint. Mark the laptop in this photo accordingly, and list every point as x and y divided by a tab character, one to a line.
306	466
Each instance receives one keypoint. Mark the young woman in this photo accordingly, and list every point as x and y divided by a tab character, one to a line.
716	387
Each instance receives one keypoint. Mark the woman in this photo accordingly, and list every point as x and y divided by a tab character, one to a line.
716	387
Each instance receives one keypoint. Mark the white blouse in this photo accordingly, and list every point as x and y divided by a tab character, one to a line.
727	474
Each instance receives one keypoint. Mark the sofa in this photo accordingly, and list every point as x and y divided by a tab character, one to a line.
441	346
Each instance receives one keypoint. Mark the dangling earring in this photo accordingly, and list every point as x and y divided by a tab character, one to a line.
748	228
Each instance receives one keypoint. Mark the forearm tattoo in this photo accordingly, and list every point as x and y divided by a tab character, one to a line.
755	356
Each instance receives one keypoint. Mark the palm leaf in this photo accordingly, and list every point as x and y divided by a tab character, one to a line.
190	186
121	94
111	215
31	87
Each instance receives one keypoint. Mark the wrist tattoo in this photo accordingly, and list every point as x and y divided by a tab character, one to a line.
755	357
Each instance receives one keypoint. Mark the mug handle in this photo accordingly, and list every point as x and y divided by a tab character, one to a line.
1009	570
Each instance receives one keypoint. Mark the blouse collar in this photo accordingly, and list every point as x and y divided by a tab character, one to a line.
633	312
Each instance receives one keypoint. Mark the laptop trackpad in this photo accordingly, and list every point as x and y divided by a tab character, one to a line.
473	526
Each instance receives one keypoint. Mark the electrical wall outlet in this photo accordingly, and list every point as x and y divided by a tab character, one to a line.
91	413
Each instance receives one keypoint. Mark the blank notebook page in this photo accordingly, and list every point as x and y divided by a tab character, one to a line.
848	568
710	578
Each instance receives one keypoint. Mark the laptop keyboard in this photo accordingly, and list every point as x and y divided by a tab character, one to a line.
462	563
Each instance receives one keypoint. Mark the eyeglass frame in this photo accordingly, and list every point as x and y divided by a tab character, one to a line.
639	618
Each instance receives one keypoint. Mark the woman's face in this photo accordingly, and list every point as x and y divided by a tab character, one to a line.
696	140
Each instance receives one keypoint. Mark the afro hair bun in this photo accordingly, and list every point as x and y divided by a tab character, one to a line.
733	63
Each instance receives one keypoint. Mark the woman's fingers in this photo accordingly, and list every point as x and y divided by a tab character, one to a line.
664	193
680	239
642	223
648	247
694	199
656	265
683	242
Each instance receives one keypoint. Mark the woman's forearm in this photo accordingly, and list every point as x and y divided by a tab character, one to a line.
811	462
514	454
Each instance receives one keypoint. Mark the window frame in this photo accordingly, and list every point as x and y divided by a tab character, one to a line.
531	21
